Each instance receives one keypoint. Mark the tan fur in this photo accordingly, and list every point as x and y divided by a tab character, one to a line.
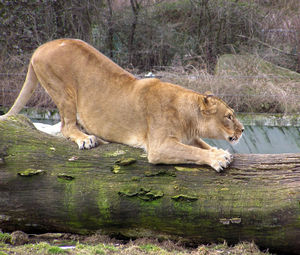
111	104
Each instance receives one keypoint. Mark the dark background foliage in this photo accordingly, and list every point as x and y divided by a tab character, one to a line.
158	36
148	33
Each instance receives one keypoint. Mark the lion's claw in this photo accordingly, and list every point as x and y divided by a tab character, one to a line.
222	159
87	143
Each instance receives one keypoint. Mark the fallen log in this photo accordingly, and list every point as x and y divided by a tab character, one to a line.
48	185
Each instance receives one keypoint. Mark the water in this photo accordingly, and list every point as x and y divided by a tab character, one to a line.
264	140
48	127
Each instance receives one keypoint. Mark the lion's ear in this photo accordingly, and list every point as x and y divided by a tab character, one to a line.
208	93
208	105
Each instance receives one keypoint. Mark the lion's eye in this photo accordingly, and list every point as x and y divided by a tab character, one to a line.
229	117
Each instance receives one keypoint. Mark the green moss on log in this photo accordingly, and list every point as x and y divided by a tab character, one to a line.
145	194
181	197
144	199
125	161
65	177
30	172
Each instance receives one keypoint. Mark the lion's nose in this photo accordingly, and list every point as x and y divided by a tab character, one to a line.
243	130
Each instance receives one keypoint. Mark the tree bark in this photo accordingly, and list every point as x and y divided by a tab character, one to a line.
48	185
110	30
135	6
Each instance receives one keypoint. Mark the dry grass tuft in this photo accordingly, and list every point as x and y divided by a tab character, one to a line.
245	90
243	93
144	246
12	76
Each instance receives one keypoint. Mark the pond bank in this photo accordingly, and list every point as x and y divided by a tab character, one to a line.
266	134
264	140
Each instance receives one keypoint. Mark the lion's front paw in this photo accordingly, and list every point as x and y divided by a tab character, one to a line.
226	154
220	160
87	143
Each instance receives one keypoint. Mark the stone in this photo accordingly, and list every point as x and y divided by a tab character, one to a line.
19	238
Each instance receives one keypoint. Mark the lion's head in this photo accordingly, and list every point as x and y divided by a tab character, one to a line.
220	120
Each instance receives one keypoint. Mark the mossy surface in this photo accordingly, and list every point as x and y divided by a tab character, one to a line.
125	161
184	198
144	199
186	169
66	177
30	172
145	194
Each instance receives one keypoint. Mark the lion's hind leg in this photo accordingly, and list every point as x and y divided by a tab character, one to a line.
70	129
65	99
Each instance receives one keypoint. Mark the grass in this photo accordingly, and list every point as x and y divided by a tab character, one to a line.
56	250
5	237
98	244
242	93
150	248
249	85
256	93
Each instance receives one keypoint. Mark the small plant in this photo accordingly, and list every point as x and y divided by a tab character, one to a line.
5	237
110	248
149	247
100	252
56	250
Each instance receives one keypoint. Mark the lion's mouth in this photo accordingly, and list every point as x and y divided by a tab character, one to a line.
231	138
234	139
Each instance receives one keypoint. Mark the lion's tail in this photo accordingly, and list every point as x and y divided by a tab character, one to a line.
28	88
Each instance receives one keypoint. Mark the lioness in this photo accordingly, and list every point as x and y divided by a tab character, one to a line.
112	105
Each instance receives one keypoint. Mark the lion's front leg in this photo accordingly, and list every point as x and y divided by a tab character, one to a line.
201	144
171	151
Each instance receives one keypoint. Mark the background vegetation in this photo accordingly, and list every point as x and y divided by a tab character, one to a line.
183	37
